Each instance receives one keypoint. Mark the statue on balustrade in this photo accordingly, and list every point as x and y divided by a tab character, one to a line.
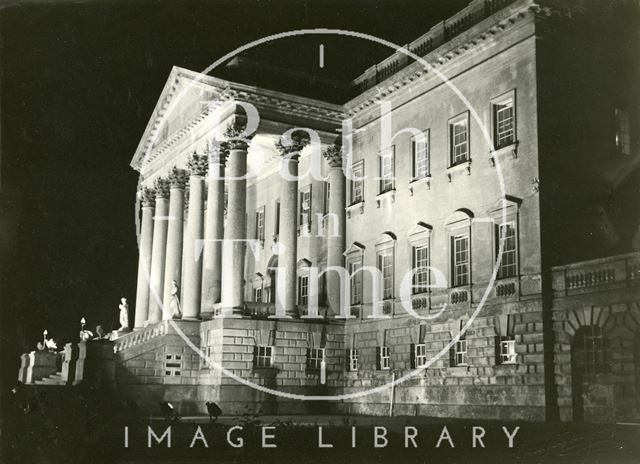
176	311
124	315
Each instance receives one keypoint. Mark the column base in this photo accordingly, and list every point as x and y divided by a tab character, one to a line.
207	316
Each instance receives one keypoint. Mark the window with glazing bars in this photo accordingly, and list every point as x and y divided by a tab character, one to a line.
386	163
357	184
385	265
420	269
355	277
503	123
303	290
506	233
460	259
315	356
420	149
263	356
459	134
260	224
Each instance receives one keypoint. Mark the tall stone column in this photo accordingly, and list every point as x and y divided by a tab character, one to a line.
288	229
173	264
335	225
235	231
195	234
214	232
159	250
144	263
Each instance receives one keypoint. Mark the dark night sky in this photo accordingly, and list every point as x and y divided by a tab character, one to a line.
79	82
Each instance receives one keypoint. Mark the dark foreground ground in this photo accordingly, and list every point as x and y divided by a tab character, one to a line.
65	431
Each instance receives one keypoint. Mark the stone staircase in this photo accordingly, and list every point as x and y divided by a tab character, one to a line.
53	379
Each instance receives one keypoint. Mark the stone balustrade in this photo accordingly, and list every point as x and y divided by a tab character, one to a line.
141	336
595	275
439	34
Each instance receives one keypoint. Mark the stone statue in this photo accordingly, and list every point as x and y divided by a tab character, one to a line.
99	333
50	345
124	314
176	311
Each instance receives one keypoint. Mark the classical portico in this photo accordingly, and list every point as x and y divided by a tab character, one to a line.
211	250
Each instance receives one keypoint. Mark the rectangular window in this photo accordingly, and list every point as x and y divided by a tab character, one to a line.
326	188
276	225
460	259
315	356
420	269
507	233
357	183
383	358
355	280
461	352
257	295
420	354
459	139
305	206
385	169
507	347
385	265
352	360
263	356
173	365
260	224
623	132
503	123
303	290
420	152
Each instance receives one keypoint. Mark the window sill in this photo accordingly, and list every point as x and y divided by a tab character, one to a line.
502	151
416	182
351	209
464	166
386	196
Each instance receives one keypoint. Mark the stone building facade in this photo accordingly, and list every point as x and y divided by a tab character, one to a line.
543	333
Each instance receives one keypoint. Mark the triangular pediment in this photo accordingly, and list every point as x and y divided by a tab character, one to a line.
182	100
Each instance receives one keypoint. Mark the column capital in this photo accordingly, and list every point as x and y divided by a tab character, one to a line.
236	139
218	152
333	154
161	186
147	196
177	178
185	204
290	147
198	164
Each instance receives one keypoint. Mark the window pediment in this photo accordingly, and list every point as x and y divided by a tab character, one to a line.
460	218
420	233
354	249
387	239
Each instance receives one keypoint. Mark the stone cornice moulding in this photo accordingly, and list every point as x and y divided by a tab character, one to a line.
224	91
442	58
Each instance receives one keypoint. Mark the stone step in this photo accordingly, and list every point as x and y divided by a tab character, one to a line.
53	379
